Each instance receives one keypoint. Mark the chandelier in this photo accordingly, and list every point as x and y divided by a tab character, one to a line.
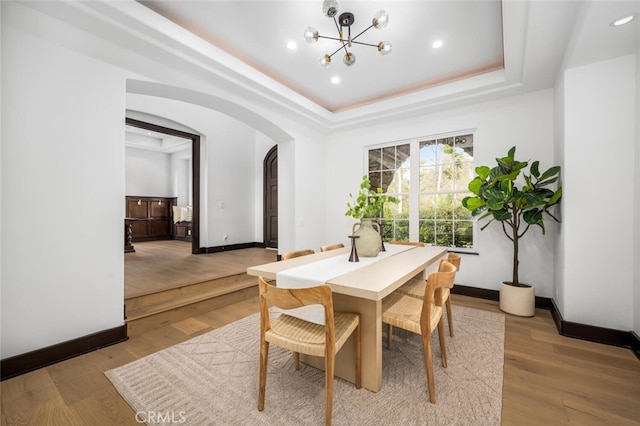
344	21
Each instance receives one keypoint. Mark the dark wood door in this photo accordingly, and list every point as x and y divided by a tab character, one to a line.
271	198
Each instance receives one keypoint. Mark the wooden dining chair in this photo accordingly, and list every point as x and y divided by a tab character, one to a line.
421	317
417	285
306	337
297	253
331	247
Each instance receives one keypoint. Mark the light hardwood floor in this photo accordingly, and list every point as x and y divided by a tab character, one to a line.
166	264
548	379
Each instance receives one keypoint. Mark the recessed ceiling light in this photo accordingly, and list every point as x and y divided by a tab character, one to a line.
335	79
437	44
625	19
291	45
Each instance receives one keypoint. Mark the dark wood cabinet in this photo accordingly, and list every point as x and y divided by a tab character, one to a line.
182	231
150	217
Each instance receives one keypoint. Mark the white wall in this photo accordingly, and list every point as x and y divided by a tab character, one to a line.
559	151
309	222
525	121
599	213
636	208
302	169
62	188
148	173
181	179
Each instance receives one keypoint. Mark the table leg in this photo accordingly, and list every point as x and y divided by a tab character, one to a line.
371	357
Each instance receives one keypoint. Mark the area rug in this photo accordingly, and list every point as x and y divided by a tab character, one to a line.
213	380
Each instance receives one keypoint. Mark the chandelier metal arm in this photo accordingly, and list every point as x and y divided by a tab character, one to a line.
345	43
342	41
364	44
344	46
331	38
362	32
335	21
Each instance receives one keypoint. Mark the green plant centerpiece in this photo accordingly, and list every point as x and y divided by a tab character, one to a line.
367	207
497	197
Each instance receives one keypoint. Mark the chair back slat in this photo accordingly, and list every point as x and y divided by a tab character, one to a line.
291	298
408	243
297	253
443	278
454	259
331	247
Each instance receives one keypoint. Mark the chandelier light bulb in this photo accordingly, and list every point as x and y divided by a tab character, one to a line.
311	35
349	59
380	19
325	61
329	8
384	47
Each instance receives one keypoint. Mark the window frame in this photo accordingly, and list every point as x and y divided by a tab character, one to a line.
414	173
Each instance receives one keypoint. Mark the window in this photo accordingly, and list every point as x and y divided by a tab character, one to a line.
390	169
431	210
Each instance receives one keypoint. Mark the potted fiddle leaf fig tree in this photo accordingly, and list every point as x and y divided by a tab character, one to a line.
516	206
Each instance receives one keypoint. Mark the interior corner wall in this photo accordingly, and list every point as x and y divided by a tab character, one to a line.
1	155
63	179
636	209
559	150
181	182
286	196
302	167
598	181
559	109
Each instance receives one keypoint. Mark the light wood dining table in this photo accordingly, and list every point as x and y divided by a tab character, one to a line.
362	290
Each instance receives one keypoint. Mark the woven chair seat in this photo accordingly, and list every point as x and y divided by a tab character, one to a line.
416	286
306	337
404	311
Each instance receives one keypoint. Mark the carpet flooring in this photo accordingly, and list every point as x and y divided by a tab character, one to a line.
212	379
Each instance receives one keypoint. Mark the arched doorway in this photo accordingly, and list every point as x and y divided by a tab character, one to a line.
271	198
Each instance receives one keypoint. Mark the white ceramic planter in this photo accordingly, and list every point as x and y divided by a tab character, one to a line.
519	301
369	242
